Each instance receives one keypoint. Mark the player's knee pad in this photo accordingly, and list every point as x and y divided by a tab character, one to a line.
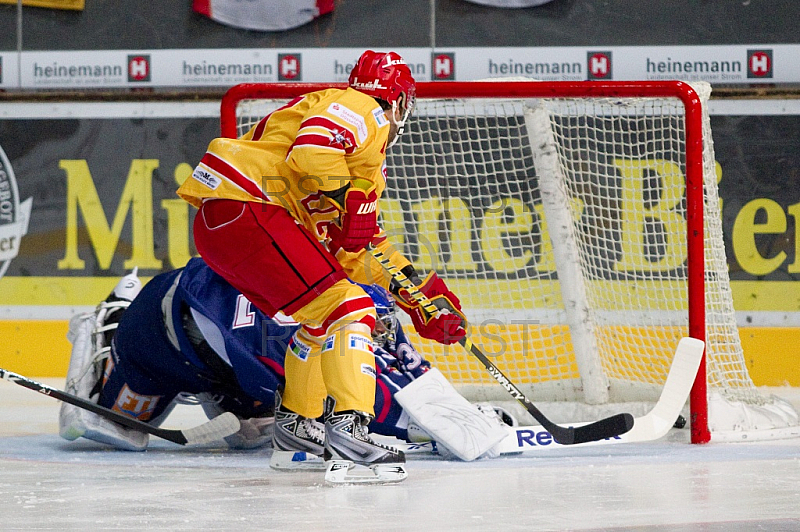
90	335
341	320
82	375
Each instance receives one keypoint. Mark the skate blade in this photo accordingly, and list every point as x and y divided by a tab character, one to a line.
296	461
343	472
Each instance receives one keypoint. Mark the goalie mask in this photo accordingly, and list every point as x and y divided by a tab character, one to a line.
386	77
386	326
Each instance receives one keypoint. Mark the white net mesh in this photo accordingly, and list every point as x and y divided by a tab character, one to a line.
464	199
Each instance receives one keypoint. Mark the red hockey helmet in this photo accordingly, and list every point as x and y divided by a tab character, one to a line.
383	75
386	76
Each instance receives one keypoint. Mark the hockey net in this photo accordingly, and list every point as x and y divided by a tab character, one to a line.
580	225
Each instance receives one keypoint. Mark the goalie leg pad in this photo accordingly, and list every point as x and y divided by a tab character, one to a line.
84	372
453	422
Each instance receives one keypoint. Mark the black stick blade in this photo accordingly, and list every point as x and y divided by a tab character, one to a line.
603	429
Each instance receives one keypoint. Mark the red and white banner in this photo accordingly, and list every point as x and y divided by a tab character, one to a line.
729	64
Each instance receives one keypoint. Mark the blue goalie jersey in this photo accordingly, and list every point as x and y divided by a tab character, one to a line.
190	331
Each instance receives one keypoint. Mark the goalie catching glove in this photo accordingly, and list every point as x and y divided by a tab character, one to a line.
448	325
359	221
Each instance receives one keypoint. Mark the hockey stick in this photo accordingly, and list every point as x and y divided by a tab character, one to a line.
652	426
599	430
212	430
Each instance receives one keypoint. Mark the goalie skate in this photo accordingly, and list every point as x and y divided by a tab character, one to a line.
342	472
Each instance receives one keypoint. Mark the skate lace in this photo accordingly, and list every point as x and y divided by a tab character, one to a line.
313	429
362	433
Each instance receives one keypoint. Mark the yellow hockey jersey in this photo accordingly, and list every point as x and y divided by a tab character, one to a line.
316	143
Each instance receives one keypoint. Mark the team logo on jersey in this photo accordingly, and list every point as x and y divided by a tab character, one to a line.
360	343
14	215
339	139
299	349
290	67
443	66
759	64
135	405
598	65
138	68
380	117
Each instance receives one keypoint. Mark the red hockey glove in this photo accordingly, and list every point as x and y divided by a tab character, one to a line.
359	221
448	325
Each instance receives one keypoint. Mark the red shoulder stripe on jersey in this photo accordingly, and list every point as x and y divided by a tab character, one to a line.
316	139
229	172
342	134
262	124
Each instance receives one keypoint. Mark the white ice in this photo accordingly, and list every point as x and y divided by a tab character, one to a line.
47	483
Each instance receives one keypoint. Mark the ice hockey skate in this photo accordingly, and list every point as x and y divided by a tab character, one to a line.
297	441
351	455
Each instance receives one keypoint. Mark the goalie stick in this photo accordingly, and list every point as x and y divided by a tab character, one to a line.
652	426
598	430
213	430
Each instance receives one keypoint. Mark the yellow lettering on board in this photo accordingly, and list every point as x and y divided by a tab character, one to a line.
137	196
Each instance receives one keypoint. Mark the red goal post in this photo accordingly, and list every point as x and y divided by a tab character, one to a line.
237	117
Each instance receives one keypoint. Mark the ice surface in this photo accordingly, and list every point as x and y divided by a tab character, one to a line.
50	484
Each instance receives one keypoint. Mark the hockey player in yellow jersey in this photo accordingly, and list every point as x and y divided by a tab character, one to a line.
293	157
296	200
